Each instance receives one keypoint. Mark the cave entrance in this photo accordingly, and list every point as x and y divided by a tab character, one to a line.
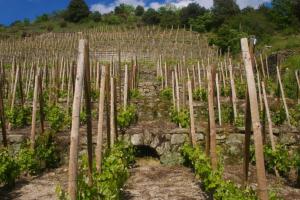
146	151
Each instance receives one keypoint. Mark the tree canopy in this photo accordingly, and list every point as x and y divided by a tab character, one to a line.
76	11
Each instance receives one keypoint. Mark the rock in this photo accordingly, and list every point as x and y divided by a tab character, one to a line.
137	139
276	131
16	138
199	136
178	138
288	139
154	142
220	137
168	137
235	139
179	131
171	158
147	137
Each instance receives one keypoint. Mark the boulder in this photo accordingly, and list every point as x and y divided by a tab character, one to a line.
137	139
178	138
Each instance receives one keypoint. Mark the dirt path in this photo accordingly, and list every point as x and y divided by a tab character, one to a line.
151	181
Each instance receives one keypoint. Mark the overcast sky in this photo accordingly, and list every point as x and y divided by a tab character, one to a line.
11	10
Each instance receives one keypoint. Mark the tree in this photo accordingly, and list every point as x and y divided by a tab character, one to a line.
124	10
202	23
139	11
168	17
76	11
42	18
224	9
193	10
96	16
151	17
296	6
283	13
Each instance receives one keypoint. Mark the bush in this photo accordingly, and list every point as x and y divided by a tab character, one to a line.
227	113
182	117
241	88
212	180
279	116
19	116
126	116
56	117
108	183
200	94
9	167
45	155
225	91
134	94
166	94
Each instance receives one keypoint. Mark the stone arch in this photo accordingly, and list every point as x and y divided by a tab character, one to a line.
146	151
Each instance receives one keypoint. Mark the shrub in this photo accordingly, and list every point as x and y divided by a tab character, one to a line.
182	117
166	94
108	183
126	116
295	115
9	168
212	180
227	113
279	116
225	91
56	117
134	94
200	94
19	116
45	155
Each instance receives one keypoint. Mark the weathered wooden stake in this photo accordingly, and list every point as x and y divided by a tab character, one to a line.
218	99
73	160
260	166
192	120
34	108
212	123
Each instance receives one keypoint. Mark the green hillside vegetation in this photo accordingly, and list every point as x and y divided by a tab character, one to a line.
225	23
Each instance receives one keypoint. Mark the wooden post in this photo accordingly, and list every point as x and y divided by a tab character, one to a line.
283	97
2	114
34	108
112	112
177	90
73	160
298	83
212	124
233	94
88	111
125	100
260	166
173	90
192	120
41	101
104	71
218	99
248	125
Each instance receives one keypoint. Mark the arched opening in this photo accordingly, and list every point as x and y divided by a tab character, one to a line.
145	151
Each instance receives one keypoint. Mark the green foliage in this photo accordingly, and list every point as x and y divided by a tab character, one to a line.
182	117
96	16
45	155
202	23
108	183
151	17
278	158
126	116
166	94
139	10
278	116
282	13
19	116
56	117
9	167
225	91
191	11
134	94
240	87
77	11
112	19
227	113
168	17
212	180
228	37
200	94
224	9
295	115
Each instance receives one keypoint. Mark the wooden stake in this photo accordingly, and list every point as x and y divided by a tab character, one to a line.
73	161
125	100
218	99
192	120
283	97
260	166
104	71
112	112
212	124
34	109
233	94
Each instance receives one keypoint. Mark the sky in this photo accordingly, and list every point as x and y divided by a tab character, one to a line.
12	10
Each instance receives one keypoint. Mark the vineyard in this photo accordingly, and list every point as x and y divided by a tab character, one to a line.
146	113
